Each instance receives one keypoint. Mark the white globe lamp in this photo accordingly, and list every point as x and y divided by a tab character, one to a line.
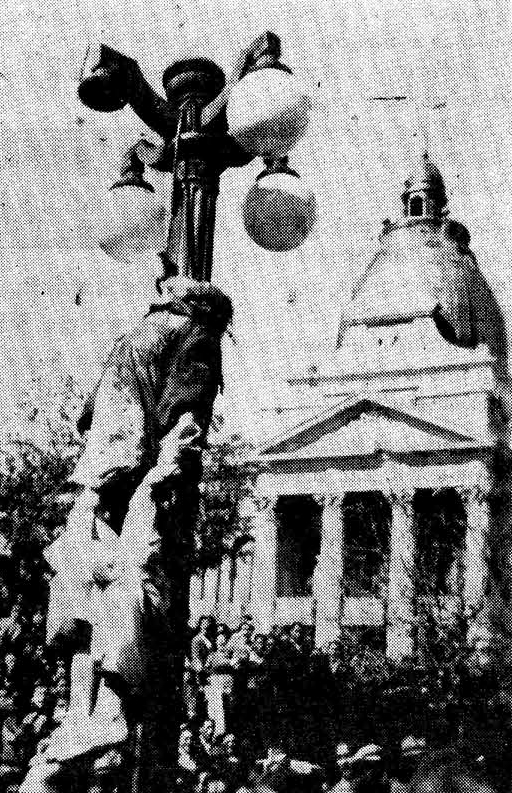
268	112
133	222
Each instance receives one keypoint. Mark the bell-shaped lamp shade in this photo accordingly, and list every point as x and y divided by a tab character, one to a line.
133	222
268	112
279	212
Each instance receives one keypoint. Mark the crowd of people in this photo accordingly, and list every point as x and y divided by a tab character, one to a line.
272	711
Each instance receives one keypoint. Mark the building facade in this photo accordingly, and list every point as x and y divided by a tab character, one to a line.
389	479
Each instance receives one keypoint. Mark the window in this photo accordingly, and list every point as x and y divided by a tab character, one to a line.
298	545
416	206
367	519
441	533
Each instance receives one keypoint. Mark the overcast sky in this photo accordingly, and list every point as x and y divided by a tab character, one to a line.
57	160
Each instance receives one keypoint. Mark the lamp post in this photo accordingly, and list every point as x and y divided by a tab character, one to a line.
206	126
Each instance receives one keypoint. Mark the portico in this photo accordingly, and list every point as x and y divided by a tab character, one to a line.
378	589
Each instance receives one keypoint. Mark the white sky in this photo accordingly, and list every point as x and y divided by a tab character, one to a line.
57	159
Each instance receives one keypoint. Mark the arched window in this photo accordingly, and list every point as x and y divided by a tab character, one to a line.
416	206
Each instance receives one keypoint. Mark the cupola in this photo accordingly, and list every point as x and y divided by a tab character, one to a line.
424	191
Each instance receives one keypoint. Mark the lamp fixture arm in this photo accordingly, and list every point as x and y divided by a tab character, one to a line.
263	52
110	80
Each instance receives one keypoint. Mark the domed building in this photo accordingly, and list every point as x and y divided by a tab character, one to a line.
375	497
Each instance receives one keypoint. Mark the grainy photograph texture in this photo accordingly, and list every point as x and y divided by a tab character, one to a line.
255	396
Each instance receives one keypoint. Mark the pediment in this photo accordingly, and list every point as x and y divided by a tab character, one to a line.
364	426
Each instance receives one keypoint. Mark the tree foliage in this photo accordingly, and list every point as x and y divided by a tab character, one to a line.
229	474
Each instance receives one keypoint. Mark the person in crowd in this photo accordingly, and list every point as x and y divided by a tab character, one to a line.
206	751
256	675
10	664
284	774
367	770
35	725
229	764
9	684
219	672
187	765
412	750
294	689
344	781
328	701
211	783
201	646
12	747
11	629
202	643
239	645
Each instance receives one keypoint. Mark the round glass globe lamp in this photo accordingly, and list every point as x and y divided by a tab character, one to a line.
133	221
279	211
268	112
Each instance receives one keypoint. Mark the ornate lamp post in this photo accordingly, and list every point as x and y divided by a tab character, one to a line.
206	126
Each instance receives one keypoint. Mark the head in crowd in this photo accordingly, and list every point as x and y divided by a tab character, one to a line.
343	752
259	643
276	750
297	633
206	626
185	742
223	628
333	650
207	730
209	783
228	743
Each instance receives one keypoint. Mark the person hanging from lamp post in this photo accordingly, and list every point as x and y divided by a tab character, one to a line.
147	422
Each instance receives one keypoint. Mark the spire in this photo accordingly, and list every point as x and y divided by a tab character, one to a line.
424	191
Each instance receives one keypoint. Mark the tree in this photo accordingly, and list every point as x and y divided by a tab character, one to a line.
229	475
38	449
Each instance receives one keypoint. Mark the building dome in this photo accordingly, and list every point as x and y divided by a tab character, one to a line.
425	268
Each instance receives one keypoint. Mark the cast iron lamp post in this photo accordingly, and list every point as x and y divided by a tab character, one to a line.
206	126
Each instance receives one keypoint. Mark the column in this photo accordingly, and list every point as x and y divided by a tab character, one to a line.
264	583
328	575
476	551
225	581
400	629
